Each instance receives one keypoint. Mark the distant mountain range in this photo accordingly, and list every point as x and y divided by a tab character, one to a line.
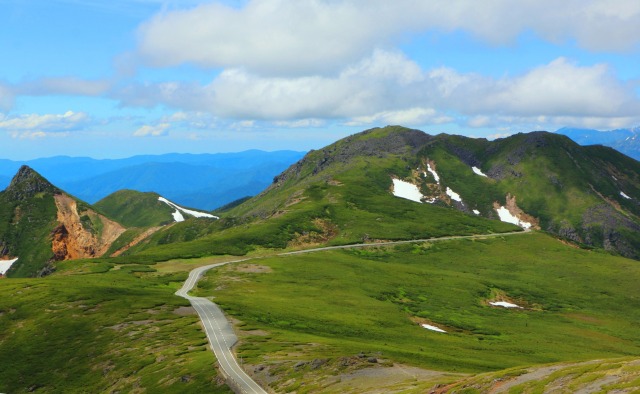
204	181
623	140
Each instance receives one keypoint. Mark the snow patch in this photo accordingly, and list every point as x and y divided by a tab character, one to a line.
476	212
5	265
504	304
453	195
177	215
624	195
506	216
478	171
432	328
406	190
434	173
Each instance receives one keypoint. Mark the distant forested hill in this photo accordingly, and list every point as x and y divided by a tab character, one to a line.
204	181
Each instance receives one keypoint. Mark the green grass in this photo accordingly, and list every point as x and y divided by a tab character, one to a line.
580	304
94	328
135	209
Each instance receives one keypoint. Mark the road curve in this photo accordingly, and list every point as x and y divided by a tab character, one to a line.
220	332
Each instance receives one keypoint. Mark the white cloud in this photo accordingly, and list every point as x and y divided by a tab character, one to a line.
408	117
158	130
388	88
310	37
36	125
383	81
64	85
562	88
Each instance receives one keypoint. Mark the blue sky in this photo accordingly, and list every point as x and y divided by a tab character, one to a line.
125	77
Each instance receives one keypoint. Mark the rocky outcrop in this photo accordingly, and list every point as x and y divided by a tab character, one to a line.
27	183
81	235
394	141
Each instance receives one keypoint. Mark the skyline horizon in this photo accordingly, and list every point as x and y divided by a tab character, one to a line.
290	149
151	76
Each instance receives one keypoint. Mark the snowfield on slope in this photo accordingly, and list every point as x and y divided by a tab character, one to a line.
505	304
434	173
478	171
453	195
432	328
506	216
177	215
406	190
5	265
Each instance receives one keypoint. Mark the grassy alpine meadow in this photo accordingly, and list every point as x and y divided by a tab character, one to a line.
99	327
575	304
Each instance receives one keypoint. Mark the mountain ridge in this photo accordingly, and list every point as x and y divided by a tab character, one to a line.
575	192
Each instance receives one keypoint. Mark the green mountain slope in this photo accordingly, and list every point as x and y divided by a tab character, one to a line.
338	195
589	195
40	224
136	209
27	219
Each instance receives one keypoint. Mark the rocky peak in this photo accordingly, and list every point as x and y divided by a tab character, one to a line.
27	183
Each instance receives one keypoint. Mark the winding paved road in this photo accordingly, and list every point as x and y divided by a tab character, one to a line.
220	332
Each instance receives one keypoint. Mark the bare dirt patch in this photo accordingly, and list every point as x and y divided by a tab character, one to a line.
185	311
363	373
253	268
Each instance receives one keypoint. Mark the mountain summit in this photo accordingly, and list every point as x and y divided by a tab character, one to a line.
27	183
40	224
586	194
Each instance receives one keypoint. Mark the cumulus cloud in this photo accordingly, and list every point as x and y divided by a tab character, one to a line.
384	81
559	88
309	37
387	87
36	125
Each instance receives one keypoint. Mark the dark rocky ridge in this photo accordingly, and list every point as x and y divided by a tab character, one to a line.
402	141
27	183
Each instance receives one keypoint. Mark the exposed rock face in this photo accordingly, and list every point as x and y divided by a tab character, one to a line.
76	237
